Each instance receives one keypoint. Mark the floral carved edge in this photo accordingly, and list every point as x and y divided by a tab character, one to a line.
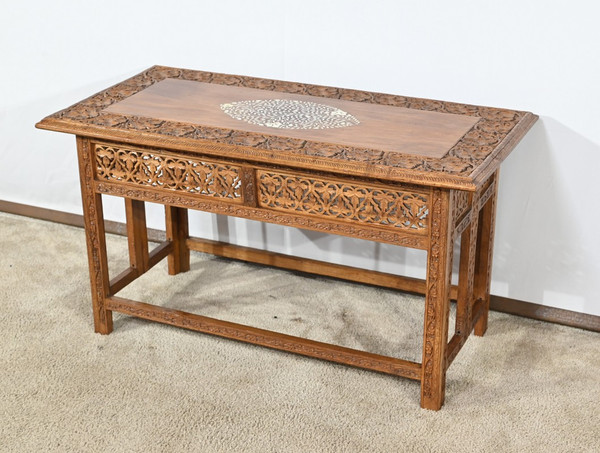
461	160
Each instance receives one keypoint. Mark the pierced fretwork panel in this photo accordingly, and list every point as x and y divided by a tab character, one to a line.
152	168
373	205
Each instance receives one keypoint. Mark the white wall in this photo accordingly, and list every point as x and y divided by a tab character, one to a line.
540	56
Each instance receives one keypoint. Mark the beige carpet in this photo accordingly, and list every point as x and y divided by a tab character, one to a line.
526	386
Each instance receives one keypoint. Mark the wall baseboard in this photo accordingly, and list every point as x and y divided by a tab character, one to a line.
66	218
545	313
497	303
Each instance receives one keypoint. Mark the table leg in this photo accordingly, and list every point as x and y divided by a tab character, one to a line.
137	235
437	301
95	238
176	220
468	258
485	248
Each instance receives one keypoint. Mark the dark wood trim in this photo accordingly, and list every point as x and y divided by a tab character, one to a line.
545	313
497	303
67	218
35	212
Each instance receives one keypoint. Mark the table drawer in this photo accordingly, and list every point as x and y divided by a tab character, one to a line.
161	169
393	213
404	208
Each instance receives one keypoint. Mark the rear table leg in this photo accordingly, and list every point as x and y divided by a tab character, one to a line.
137	235
176	220
468	258
485	248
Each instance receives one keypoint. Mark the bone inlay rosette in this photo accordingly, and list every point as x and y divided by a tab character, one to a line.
289	114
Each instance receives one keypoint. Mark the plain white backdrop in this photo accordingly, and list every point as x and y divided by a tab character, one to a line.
540	56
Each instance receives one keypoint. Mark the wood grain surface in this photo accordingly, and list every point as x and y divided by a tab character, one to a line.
384	127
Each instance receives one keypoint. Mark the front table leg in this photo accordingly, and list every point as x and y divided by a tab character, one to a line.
437	301
95	238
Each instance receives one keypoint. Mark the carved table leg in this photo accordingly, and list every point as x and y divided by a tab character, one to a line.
176	220
468	258
485	248
137	235
437	302
95	238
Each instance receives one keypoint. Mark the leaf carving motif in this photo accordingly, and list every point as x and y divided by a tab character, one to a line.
154	169
400	209
466	155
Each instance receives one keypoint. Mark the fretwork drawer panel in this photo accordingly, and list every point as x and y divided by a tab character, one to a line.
398	208
161	169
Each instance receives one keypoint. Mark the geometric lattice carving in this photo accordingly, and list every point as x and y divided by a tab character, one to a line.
373	205
150	168
289	114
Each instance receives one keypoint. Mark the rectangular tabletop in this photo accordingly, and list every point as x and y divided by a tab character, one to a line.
336	121
349	132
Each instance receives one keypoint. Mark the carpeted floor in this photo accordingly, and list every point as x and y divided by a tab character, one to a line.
526	386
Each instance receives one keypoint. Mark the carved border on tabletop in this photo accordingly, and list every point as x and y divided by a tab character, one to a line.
377	234
439	240
155	169
467	154
236	333
401	209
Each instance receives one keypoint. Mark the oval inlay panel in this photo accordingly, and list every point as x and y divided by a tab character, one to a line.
289	114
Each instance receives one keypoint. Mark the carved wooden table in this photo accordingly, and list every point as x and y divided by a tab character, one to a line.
412	172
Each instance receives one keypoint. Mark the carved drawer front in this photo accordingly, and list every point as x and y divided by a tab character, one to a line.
403	208
160	169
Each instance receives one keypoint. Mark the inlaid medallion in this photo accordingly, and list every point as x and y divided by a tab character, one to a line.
289	114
